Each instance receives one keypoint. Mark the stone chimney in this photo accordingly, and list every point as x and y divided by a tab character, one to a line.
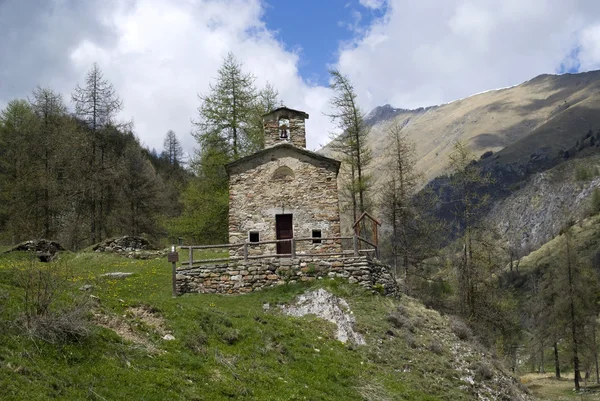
285	125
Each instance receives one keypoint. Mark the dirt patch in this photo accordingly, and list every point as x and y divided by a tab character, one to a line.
150	318
325	305
123	330
135	320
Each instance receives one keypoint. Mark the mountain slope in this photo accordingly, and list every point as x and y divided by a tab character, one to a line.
549	110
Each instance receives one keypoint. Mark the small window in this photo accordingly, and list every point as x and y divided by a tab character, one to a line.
253	236
316	235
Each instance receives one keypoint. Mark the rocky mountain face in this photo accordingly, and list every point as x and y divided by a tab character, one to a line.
535	212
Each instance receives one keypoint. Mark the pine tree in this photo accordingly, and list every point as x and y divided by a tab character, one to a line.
414	234
97	104
18	172
467	180
227	110
351	144
51	114
172	149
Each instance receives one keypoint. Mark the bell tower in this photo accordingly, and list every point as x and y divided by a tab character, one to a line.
285	125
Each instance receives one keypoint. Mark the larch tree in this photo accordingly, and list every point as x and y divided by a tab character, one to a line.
51	112
172	149
97	104
466	181
351	144
18	171
570	287
229	126
397	203
226	111
267	100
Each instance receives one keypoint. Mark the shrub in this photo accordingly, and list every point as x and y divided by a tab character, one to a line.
582	173
230	336
596	201
483	370
51	309
461	329
436	347
401	309
400	321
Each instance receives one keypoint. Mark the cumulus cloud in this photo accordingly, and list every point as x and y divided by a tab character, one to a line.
159	55
431	51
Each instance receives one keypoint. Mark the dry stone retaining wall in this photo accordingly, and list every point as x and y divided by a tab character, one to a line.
238	277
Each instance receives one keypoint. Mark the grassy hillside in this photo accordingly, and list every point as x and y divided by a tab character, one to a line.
224	347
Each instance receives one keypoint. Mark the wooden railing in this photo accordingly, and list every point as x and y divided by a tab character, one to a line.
360	246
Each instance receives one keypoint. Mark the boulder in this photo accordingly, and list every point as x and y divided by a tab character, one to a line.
45	250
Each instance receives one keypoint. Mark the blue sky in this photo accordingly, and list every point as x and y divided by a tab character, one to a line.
316	29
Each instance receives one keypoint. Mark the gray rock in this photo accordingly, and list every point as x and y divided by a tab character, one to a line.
116	275
86	287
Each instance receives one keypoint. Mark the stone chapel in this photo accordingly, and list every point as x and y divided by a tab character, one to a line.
284	191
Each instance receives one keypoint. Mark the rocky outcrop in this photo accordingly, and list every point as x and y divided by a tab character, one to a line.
245	276
131	247
325	305
123	244
536	212
44	249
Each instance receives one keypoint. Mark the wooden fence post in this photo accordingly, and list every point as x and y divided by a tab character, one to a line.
245	251
191	253
293	240
355	244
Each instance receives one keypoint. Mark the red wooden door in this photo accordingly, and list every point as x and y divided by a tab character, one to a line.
284	230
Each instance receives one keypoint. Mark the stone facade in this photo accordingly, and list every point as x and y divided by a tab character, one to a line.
283	180
284	191
240	277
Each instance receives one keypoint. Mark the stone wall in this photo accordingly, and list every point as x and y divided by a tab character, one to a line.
283	180
238	277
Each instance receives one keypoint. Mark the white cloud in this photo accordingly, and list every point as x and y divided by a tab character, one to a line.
168	52
374	4
161	53
589	50
433	51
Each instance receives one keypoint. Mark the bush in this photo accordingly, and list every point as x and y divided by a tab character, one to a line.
461	329
436	347
230	336
483	370
583	173
60	327
51	310
400	321
596	201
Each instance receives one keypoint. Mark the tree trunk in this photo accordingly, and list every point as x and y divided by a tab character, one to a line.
556	361
576	373
595	351
542	368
